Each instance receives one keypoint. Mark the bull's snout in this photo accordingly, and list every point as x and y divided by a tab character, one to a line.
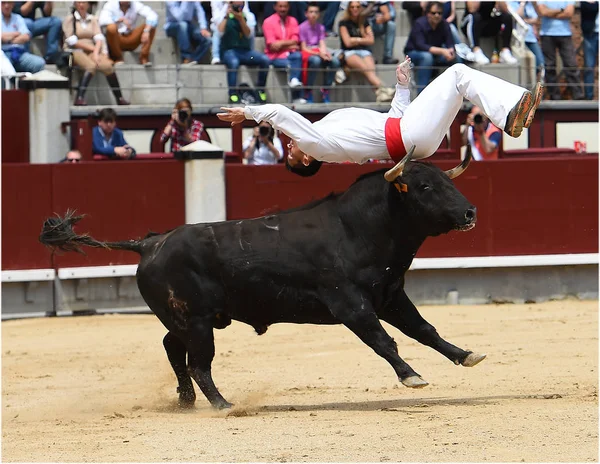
471	215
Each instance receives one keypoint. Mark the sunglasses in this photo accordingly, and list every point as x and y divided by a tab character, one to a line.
436	13
73	160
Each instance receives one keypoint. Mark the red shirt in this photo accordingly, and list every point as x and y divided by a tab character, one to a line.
177	133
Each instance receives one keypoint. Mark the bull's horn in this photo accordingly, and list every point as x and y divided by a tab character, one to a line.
458	170
396	171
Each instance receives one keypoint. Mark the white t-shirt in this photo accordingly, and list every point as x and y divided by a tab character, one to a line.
262	154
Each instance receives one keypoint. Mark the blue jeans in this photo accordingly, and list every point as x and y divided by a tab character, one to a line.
590	50
27	62
50	27
186	34
294	63
537	52
331	10
234	57
316	61
424	61
388	30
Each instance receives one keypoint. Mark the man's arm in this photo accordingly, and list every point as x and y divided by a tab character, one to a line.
400	102
26	9
98	145
544	10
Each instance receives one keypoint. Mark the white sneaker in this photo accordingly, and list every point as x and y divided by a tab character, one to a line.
215	60
295	82
403	72
507	57
480	57
464	52
340	76
299	101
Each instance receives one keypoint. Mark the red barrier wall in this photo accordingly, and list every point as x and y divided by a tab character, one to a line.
15	126
122	200
537	206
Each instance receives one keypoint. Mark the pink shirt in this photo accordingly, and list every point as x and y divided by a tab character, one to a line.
274	30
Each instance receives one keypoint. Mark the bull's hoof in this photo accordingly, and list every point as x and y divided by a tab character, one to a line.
187	398
222	405
473	359
414	382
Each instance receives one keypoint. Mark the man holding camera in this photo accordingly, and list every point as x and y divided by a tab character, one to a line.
263	146
108	140
483	137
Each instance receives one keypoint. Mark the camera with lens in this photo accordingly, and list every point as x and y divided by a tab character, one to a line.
182	115
237	8
478	119
264	131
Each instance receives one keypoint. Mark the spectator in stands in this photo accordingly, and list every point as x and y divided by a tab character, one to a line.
236	50
315	54
526	10
121	33
381	16
356	37
555	32
488	19
263	146
414	9
462	49
47	25
282	46
589	29
296	9
15	37
483	137
107	138
430	43
182	129
219	11
73	156
193	39
84	38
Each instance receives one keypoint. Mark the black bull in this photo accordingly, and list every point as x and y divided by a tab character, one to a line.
340	260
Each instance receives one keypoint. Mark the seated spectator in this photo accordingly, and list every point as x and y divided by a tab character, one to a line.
296	9
356	37
430	43
526	10
219	11
282	46
47	25
589	29
462	49
381	16
73	156
315	54
119	18
488	19
193	39
236	50
15	37
483	137
555	32
263	146
182	129
107	138
84	38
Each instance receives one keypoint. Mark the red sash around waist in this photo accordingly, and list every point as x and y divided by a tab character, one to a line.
393	139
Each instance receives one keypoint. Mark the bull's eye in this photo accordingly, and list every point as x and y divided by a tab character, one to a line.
424	187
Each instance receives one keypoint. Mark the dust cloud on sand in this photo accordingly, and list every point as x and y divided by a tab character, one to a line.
100	389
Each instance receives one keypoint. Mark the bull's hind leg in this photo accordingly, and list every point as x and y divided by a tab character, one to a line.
201	347
177	353
406	318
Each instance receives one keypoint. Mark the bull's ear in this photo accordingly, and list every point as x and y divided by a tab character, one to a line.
396	171
458	170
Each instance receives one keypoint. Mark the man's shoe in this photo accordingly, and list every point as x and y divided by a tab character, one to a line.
215	60
538	93
295	83
391	61
187	62
309	96
507	57
122	102
262	95
518	115
234	98
480	57
80	101
384	94
145	62
299	101
325	96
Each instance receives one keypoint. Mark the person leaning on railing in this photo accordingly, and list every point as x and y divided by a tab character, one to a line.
182	129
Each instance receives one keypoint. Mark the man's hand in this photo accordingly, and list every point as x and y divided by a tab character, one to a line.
449	54
205	33
232	115
121	152
275	46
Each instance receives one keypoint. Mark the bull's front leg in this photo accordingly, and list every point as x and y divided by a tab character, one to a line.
356	313
406	318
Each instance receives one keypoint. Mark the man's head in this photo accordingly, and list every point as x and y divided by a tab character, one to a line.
107	120
434	12
125	5
299	162
282	9
73	156
7	8
313	12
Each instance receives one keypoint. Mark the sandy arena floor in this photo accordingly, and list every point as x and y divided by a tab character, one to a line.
101	389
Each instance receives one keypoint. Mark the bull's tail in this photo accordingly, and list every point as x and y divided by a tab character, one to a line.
58	234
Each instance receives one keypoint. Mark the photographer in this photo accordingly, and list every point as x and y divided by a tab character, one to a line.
483	137
183	129
263	146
